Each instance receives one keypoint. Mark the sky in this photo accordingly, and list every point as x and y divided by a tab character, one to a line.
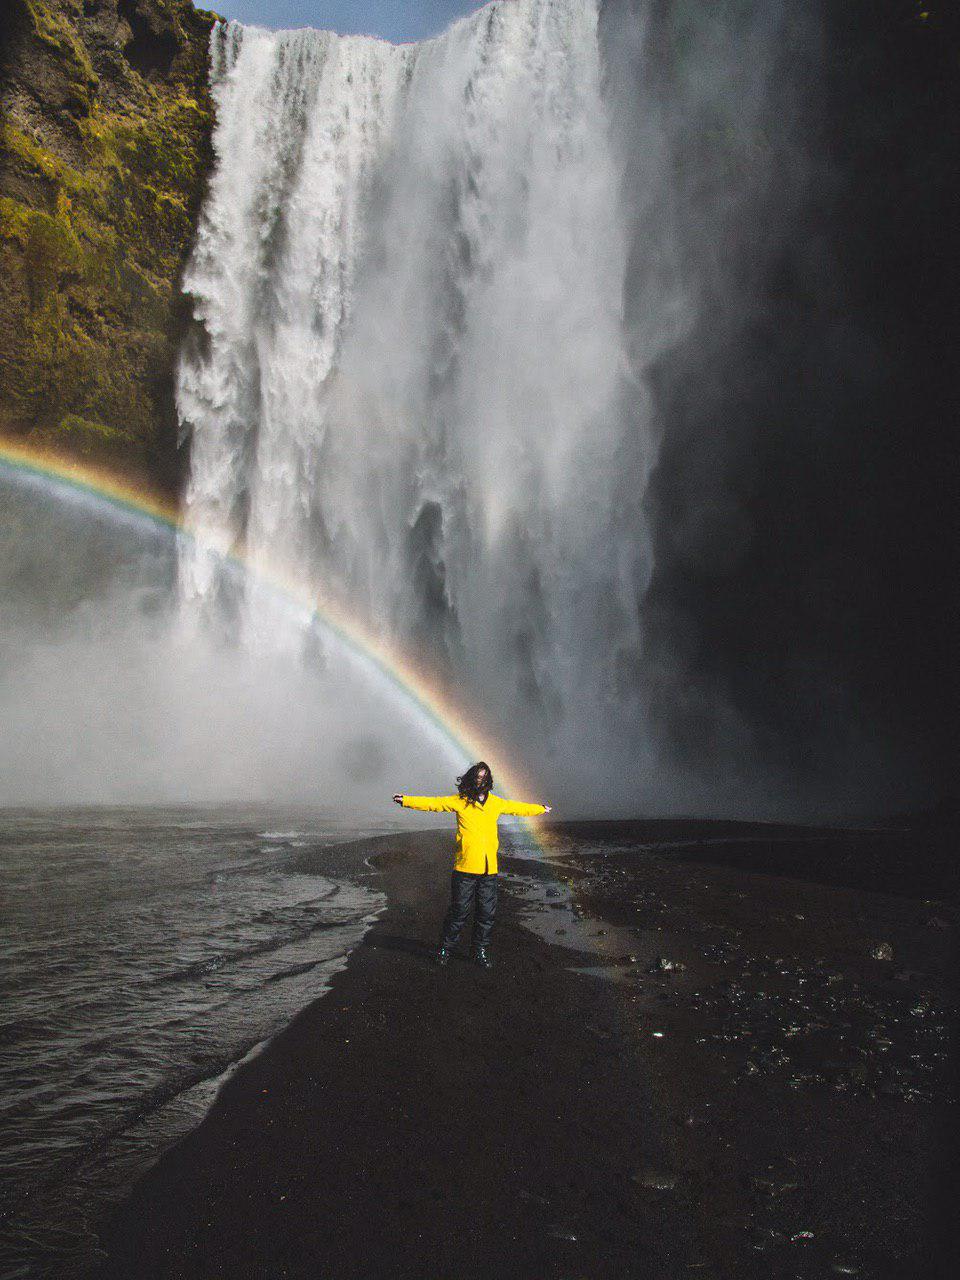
396	20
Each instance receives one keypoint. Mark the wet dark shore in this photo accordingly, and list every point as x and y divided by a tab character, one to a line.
724	1052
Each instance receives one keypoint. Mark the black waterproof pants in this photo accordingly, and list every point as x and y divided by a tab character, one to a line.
465	887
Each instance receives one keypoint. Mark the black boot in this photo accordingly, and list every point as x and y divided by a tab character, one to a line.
482	957
442	956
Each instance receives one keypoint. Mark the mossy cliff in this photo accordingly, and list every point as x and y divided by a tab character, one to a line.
105	124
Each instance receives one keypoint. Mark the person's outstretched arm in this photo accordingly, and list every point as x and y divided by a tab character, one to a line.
429	804
522	810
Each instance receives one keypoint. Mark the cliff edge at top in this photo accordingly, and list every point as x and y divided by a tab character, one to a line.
105	123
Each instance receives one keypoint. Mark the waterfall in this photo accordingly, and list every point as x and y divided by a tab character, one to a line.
409	384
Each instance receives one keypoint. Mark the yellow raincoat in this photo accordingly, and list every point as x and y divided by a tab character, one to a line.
477	841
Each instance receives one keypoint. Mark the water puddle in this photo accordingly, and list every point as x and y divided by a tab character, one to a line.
550	911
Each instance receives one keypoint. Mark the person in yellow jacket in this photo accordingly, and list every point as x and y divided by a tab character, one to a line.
474	878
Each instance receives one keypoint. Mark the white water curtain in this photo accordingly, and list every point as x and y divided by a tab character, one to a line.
410	387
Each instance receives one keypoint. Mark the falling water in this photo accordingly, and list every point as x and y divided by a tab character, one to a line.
408	380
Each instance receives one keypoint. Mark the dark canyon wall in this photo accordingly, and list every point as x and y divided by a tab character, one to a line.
800	614
105	123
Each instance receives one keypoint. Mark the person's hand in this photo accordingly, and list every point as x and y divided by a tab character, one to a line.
546	808
398	799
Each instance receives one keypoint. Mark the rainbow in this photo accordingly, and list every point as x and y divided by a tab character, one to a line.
62	477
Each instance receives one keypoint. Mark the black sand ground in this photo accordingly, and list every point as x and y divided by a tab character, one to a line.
778	1106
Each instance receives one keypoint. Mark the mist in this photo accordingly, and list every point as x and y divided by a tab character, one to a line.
109	696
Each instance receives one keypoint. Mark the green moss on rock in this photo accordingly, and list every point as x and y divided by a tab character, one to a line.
87	437
105	122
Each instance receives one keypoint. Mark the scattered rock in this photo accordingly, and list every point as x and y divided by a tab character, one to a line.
564	1233
663	965
771	1187
882	951
655	1180
690	1121
765	1237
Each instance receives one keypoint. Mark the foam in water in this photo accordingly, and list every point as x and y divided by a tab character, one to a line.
407	388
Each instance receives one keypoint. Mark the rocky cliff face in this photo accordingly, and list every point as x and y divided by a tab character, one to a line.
105	122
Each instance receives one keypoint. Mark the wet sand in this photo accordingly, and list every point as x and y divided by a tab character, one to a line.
706	1050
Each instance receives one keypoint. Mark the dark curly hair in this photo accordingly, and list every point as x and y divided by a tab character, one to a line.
476	782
